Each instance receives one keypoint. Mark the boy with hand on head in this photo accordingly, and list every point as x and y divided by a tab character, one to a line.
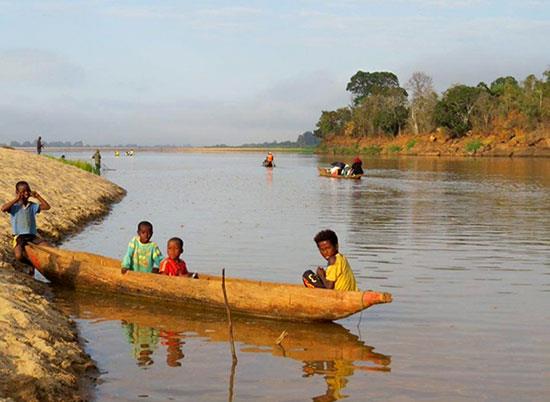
173	265
142	255
338	275
23	218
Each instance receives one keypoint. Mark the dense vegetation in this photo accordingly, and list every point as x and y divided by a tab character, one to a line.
380	106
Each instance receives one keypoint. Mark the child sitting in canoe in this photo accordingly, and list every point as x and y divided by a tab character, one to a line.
23	219
173	265
338	275
142	255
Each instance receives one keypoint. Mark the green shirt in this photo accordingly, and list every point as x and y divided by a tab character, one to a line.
142	257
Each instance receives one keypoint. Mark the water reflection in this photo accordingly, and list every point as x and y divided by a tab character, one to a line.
328	350
144	341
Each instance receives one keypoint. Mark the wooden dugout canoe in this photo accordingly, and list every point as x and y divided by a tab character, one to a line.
326	173
263	299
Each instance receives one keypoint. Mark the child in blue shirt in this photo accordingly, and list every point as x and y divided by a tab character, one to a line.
142	255
23	218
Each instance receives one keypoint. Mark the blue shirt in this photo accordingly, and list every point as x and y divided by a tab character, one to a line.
23	219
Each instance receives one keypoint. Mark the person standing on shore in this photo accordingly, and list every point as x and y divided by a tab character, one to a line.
23	219
97	159
39	145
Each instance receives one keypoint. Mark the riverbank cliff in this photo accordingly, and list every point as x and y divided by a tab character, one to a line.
41	357
514	143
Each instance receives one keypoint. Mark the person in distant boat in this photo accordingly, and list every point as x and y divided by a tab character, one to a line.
357	166
23	219
338	275
142	255
173	265
97	160
337	168
268	161
39	145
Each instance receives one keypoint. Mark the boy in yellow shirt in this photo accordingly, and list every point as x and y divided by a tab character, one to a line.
338	275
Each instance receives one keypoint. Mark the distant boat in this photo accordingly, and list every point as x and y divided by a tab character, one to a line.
325	172
268	164
258	298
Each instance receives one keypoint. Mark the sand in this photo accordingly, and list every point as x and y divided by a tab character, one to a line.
41	357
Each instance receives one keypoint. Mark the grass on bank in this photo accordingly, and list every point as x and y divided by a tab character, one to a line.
393	149
88	167
410	144
473	146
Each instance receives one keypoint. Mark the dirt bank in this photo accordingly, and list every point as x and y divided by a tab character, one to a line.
40	355
514	143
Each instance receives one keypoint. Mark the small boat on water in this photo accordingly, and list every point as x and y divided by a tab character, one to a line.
282	301
325	172
268	164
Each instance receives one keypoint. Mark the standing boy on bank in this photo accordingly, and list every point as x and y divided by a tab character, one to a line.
338	275
23	218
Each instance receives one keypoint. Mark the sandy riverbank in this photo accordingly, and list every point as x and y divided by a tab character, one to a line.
40	354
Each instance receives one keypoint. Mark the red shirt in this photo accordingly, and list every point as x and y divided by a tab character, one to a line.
172	267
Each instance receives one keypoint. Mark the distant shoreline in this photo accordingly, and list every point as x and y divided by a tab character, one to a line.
166	149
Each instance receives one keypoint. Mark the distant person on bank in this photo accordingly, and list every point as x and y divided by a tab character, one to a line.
23	219
39	145
97	160
142	255
338	275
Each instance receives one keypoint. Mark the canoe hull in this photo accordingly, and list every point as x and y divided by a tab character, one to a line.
324	173
264	299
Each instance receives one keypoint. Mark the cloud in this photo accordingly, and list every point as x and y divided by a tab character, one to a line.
39	68
280	112
201	19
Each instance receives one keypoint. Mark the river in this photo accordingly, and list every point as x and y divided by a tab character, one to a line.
462	244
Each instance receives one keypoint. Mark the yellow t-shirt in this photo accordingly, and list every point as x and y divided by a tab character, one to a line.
341	274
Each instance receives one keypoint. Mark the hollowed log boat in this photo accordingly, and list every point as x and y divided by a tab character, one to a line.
80	270
325	172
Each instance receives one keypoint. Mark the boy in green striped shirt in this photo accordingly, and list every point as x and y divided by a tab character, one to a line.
142	255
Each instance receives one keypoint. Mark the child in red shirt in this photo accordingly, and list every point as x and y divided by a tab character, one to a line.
173	265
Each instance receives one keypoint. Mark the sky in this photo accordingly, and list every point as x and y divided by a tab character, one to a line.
233	72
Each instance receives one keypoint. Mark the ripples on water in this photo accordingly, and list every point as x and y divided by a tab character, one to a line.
463	245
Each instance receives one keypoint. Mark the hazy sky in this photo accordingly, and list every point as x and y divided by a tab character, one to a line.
209	72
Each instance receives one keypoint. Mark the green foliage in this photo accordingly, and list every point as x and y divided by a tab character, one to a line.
410	144
393	149
455	109
332	122
503	84
382	107
364	84
372	150
473	146
77	163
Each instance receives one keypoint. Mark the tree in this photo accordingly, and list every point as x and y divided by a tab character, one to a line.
422	103
455	109
364	84
501	84
332	122
307	139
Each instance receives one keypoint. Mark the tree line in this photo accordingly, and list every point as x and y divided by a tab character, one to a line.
381	106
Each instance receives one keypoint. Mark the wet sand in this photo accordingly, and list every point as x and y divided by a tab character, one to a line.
41	357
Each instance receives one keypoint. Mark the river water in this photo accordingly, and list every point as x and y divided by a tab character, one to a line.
463	245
